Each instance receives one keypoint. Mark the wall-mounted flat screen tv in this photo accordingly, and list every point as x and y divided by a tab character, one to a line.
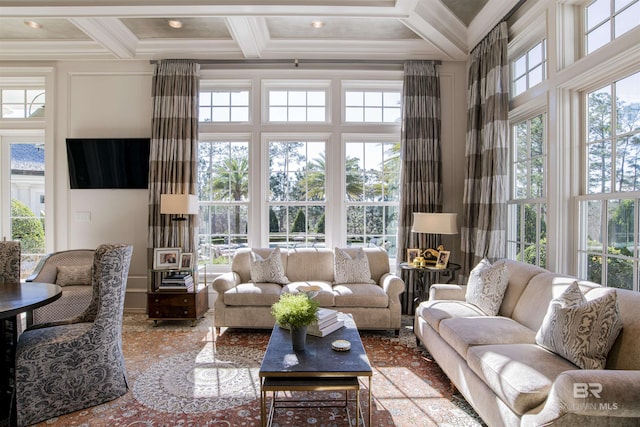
108	162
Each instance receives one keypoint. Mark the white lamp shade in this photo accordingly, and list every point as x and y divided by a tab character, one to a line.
435	223
179	204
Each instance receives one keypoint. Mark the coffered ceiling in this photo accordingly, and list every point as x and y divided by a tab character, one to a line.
245	29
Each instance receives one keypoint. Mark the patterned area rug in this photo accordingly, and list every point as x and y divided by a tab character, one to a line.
180	376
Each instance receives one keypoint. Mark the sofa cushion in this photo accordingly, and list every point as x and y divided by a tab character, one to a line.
360	295
326	297
487	285
269	269
253	294
351	268
581	331
305	264
463	332
73	275
534	301
521	375
435	311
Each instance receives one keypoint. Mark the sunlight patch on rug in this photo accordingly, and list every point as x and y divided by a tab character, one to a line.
201	381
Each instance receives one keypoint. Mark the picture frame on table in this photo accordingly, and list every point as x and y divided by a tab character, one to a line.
443	259
186	260
412	253
166	258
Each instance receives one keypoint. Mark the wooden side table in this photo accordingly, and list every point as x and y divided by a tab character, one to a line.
424	278
176	305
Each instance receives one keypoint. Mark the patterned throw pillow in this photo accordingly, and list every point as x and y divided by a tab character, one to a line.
73	275
267	270
486	286
351	270
581	331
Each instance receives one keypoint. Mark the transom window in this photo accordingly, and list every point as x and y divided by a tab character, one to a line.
224	106
605	20
21	103
372	106
530	68
527	239
609	240
297	105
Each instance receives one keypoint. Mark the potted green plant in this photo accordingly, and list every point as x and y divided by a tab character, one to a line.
295	311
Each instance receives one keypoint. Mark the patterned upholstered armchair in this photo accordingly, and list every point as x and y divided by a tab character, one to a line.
9	261
72	271
78	363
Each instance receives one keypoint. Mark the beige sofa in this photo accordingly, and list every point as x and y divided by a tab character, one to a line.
243	304
509	380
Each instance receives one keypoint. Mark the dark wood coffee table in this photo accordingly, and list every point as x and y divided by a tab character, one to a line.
317	368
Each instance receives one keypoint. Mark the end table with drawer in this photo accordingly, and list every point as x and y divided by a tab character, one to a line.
175	305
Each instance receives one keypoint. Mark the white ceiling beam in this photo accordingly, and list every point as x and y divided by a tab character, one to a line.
350	49
250	33
188	48
52	50
487	18
110	33
436	24
227	8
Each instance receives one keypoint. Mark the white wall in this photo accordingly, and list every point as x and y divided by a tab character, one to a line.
103	99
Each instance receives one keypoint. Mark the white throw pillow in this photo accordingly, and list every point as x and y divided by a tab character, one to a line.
486	286
73	275
267	270
347	269
581	331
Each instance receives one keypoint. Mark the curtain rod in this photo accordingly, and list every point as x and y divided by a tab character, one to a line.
513	10
298	62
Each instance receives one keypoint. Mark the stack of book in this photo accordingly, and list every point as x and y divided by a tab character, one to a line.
328	321
177	282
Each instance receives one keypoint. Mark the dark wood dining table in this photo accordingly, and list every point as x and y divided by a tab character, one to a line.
17	298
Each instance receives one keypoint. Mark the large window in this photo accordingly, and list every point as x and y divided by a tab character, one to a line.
296	202
609	209
223	191
372	193
527	239
305	174
606	20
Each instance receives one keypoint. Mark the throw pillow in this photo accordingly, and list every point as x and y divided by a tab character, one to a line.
486	286
348	269
73	275
267	270
581	331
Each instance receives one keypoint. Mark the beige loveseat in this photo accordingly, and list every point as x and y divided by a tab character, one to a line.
509	380
243	304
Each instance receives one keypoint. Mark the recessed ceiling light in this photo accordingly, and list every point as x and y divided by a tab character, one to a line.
317	24
174	23
33	24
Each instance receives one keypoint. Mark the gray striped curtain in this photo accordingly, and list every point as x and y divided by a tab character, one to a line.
483	232
174	148
421	171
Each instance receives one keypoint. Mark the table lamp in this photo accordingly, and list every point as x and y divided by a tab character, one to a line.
179	205
434	223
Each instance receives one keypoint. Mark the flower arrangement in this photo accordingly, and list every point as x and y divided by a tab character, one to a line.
295	310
